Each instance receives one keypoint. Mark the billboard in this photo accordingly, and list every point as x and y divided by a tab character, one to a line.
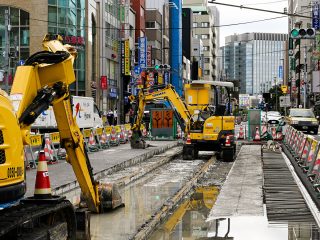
142	52
315	16
244	100
127	57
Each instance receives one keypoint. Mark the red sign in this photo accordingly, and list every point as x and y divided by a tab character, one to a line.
74	40
103	82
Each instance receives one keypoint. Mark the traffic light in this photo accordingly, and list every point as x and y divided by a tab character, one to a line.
303	33
162	67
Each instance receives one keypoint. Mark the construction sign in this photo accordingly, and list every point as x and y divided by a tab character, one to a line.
284	89
157	119
168	119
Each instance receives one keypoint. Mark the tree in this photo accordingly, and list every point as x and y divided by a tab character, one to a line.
275	92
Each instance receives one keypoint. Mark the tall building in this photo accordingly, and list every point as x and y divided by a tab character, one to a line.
110	52
254	59
204	20
76	21
157	30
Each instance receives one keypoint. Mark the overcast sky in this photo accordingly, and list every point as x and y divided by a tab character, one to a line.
230	15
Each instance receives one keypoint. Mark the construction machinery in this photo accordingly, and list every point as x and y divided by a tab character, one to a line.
44	80
206	123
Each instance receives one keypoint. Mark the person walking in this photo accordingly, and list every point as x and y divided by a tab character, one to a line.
110	117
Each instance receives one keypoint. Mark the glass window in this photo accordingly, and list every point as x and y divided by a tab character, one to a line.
24	18
206	48
52	15
204	24
24	36
195	24
204	36
206	60
14	16
63	3
150	24
62	16
52	2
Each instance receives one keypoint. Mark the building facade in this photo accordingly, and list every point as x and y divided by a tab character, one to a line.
110	53
204	20
29	22
254	59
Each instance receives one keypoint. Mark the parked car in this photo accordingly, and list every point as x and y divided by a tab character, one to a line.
303	119
272	117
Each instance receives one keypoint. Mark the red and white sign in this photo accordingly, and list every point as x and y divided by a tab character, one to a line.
103	82
149	55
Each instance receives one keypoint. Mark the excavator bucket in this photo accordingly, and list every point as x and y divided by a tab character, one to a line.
109	196
136	141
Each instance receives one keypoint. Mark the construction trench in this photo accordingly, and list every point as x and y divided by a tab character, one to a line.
166	197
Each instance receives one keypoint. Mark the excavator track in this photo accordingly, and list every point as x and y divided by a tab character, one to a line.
38	221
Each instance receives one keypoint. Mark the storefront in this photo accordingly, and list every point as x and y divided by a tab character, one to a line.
67	18
15	25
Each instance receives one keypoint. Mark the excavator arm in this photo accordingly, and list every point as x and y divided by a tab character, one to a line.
167	93
44	80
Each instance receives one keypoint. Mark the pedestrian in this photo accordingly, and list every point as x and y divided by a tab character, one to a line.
115	116
110	117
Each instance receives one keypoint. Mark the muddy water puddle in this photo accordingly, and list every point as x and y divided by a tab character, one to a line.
142	198
189	222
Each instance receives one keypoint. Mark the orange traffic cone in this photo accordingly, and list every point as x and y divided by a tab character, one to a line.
257	136
113	134
188	141
241	133
92	142
144	132
103	138
42	187
122	140
279	136
273	133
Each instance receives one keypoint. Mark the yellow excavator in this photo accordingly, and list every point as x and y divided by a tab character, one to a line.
44	80
207	124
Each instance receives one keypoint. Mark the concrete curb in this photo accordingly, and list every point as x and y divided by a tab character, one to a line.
128	163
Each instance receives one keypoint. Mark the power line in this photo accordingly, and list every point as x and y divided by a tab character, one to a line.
250	4
259	9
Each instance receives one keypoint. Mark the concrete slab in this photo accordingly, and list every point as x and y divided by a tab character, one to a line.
241	194
102	162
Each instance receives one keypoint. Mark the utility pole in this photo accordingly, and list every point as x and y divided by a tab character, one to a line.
7	49
305	78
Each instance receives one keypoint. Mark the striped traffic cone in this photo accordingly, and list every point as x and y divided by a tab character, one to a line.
42	187
257	136
273	133
241	133
48	151
92	142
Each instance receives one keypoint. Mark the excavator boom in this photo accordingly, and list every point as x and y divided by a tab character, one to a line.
167	93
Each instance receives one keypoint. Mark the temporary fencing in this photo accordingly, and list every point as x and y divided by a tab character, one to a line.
95	139
114	138
89	140
306	152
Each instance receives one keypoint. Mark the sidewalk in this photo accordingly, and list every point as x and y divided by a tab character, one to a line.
62	176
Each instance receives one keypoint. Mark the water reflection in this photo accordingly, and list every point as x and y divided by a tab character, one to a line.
141	199
189	222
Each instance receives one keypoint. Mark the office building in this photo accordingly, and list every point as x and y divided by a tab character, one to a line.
256	59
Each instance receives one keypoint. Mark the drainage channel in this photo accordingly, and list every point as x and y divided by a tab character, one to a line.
145	188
